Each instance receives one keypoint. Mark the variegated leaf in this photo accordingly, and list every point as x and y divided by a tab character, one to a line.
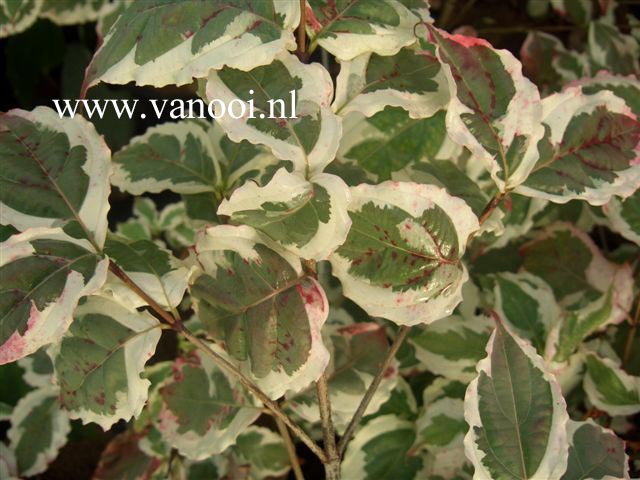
609	387
17	16
590	149
99	361
287	108
43	274
309	218
548	63
53	171
38	430
123	459
38	369
252	295
577	11
380	447
264	451
516	413
595	453
151	267
348	28
609	49
203	410
412	79
358	350
70	12
452	346
172	156
527	304
401	259
495	111
8	463
626	88
195	38
391	141
624	216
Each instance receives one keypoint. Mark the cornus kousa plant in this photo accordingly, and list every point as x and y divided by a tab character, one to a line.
418	257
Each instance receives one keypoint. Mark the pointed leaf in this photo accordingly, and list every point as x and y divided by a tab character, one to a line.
609	49
289	111
172	156
590	149
43	274
401	259
382	447
412	79
595	452
496	111
99	361
203	410
38	430
252	296
348	28
610	388
152	267
15	17
195	38
53	171
516	414
308	218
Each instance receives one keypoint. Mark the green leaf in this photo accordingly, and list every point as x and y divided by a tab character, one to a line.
626	88
452	346
391	141
299	126
38	369
610	388
440	425
123	459
412	79
70	12
401	259
576	11
496	111
357	353
16	17
43	274
348	28
172	156
588	151
308	218
53	171
252	296
203	410
594	452
151	267
516	413
194	39
99	361
38	430
380	449
609	49
549	64
264	451
624	216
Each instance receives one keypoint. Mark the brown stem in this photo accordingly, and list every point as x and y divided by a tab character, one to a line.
332	468
291	449
219	360
491	206
302	33
629	344
402	334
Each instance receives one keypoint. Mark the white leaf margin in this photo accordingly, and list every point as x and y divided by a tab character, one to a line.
523	117
137	350
214	441
81	12
180	130
554	461
406	308
351	82
613	211
97	167
385	40
59	423
23	23
210	243
284	187
269	437
236	48
559	109
596	397
316	90
47	326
